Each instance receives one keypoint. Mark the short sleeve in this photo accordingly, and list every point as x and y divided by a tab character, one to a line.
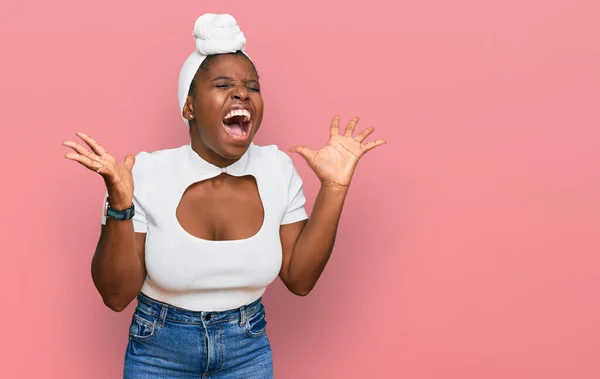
295	194
140	224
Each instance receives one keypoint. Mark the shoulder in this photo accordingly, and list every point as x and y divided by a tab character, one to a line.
154	162
274	159
145	160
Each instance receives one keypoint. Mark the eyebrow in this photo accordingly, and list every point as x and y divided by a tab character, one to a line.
221	78
228	78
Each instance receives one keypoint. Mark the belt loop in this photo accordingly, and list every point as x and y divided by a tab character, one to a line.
163	315
242	315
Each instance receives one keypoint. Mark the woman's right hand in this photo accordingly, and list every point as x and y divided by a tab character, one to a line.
117	176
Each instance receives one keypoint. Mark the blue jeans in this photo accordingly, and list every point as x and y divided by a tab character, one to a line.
169	342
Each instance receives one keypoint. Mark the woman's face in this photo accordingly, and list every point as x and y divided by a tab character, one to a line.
227	107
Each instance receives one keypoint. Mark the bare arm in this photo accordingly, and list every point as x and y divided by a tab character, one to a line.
307	245
118	268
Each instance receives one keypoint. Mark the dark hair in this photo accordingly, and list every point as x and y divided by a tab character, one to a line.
205	66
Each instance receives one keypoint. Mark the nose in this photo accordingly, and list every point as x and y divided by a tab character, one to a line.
240	93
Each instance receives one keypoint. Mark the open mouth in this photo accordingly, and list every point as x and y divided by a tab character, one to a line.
237	123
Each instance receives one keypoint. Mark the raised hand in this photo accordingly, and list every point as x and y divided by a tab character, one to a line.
117	176
334	164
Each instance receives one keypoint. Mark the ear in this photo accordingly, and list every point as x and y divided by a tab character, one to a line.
188	109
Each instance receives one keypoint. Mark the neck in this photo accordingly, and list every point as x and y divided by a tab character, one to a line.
206	152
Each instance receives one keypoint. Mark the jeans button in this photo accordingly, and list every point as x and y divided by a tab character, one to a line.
207	317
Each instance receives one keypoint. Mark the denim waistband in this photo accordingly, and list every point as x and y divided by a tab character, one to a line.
163	311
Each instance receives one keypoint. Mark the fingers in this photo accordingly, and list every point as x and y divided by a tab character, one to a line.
360	137
372	144
364	134
81	150
92	160
351	126
86	161
98	160
129	161
92	143
304	151
335	126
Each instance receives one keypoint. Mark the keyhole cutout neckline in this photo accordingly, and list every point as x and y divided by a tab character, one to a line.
237	169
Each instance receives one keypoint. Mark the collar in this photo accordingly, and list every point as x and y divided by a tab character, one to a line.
238	168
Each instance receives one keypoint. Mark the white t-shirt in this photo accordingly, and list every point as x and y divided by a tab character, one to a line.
203	275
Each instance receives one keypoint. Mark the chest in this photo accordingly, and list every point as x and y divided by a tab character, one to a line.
222	208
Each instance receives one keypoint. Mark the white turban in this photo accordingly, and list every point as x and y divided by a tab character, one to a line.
214	34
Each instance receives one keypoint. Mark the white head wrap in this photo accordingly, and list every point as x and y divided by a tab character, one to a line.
214	34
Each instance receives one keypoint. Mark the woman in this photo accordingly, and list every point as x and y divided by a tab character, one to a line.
210	224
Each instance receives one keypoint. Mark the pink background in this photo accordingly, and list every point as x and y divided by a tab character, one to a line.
469	246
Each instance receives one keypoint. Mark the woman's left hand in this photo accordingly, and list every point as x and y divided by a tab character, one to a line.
334	164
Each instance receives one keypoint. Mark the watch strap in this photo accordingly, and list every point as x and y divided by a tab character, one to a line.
122	215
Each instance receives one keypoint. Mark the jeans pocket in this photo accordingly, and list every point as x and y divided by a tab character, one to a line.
143	327
256	324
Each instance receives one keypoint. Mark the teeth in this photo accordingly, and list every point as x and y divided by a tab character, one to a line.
238	112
